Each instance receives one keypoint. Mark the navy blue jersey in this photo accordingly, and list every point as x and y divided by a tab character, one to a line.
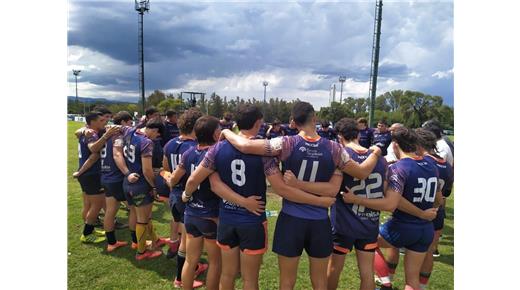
173	151
445	174
157	153
135	146
354	220
226	125
288	131
243	173
110	173
365	137
274	134
170	131
382	140
261	133
84	154
416	180
203	203
310	160
329	134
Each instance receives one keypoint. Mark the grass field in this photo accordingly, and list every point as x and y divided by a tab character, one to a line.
90	267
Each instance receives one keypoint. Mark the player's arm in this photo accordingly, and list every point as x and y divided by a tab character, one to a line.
97	145
90	161
195	179
165	164
119	158
252	203
177	174
388	203
295	194
146	161
244	145
409	208
362	170
330	188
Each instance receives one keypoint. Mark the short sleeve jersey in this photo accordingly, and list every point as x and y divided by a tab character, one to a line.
171	130
262	131
445	174
310	160
355	220
243	173
365	137
84	154
110	173
290	131
416	180
173	151
203	203
274	134
226	125
382	140
136	146
329	134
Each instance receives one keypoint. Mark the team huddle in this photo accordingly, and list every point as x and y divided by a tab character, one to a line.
332	182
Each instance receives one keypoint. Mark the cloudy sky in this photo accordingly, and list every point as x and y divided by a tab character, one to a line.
300	48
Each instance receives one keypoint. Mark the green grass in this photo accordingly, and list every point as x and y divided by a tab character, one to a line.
90	267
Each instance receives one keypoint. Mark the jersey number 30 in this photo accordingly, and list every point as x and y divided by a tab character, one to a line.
427	189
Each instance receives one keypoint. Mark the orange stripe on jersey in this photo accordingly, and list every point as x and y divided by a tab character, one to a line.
341	249
311	139
437	159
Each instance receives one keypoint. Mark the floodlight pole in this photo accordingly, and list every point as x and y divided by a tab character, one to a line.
265	83
141	6
76	73
342	79
375	61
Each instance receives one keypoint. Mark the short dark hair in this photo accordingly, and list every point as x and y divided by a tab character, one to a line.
150	111
406	139
156	124
170	113
325	123
122	116
246	116
426	139
103	110
92	116
302	113
433	126
347	128
188	119
205	128
276	122
362	120
383	121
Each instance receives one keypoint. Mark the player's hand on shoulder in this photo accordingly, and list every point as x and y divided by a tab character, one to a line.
75	174
112	130
88	132
290	179
376	150
254	204
429	214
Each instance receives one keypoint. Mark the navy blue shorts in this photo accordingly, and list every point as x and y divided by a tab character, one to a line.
197	226
293	234
415	237
438	222
344	244
250	238
138	193
91	184
115	190
161	186
177	207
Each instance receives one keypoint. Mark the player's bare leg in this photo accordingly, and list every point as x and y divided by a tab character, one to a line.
250	270
365	261
412	267
380	265
318	270
230	267
112	206
86	207
427	265
336	264
215	264
288	271
96	204
193	252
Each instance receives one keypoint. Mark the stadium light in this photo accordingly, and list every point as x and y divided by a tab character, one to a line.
342	79
141	6
265	83
76	73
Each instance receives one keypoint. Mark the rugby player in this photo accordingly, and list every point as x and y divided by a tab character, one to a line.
326	132
275	130
357	226
366	134
242	229
137	149
90	180
201	213
173	151
444	146
302	226
390	155
427	148
410	227
227	121
382	136
171	129
290	129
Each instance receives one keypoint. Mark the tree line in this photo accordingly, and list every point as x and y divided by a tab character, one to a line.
410	108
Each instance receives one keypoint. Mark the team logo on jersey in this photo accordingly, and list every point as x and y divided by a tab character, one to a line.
302	149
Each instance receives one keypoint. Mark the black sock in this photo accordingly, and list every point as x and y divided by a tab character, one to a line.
88	229
180	264
111	237
134	237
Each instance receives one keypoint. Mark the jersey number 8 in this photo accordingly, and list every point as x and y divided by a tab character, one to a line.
238	172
